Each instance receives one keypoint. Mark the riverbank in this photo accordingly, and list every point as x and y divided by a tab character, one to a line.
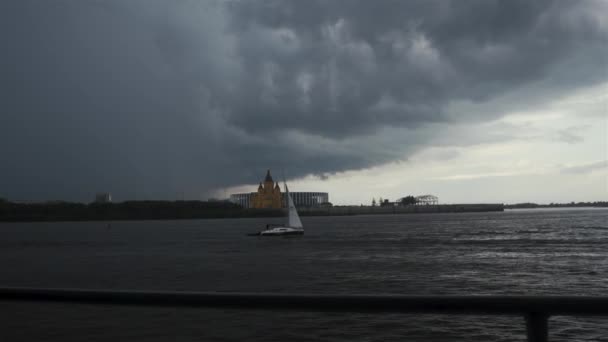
410	209
175	210
130	210
529	205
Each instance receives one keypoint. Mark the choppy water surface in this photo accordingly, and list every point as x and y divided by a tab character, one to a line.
556	252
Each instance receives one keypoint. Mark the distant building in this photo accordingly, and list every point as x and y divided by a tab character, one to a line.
269	195
387	203
310	199
407	200
244	200
103	197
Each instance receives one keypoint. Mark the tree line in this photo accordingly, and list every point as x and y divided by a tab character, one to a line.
407	200
129	210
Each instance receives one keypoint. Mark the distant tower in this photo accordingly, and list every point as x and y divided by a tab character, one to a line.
268	196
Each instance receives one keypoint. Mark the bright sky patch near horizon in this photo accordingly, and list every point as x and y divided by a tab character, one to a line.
476	101
551	155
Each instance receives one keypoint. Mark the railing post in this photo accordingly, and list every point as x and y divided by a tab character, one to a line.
537	327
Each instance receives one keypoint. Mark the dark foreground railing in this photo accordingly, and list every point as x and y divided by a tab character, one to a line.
535	310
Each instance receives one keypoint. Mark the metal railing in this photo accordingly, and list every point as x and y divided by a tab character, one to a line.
536	310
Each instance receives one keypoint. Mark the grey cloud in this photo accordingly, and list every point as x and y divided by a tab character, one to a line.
572	134
154	98
586	168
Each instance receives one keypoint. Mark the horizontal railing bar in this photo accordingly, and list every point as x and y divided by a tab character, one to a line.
496	305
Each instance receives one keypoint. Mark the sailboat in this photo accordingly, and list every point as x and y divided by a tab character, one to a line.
292	226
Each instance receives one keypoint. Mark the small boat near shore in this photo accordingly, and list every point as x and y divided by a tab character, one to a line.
293	224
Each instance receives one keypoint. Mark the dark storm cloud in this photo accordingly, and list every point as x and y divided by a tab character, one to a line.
156	98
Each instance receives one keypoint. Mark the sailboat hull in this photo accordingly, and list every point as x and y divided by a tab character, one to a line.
278	231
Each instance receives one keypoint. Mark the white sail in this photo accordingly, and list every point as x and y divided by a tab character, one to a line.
293	220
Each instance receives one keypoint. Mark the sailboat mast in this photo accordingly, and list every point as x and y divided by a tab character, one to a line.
286	201
286	193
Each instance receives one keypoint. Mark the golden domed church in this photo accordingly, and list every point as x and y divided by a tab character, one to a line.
268	196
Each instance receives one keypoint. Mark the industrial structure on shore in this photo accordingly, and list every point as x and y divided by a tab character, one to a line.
427	200
269	196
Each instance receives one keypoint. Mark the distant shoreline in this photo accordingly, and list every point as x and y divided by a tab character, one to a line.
178	210
557	208
175	210
557	205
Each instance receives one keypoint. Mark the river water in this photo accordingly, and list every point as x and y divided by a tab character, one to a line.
549	252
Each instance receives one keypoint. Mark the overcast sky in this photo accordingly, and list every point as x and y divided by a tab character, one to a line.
473	101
